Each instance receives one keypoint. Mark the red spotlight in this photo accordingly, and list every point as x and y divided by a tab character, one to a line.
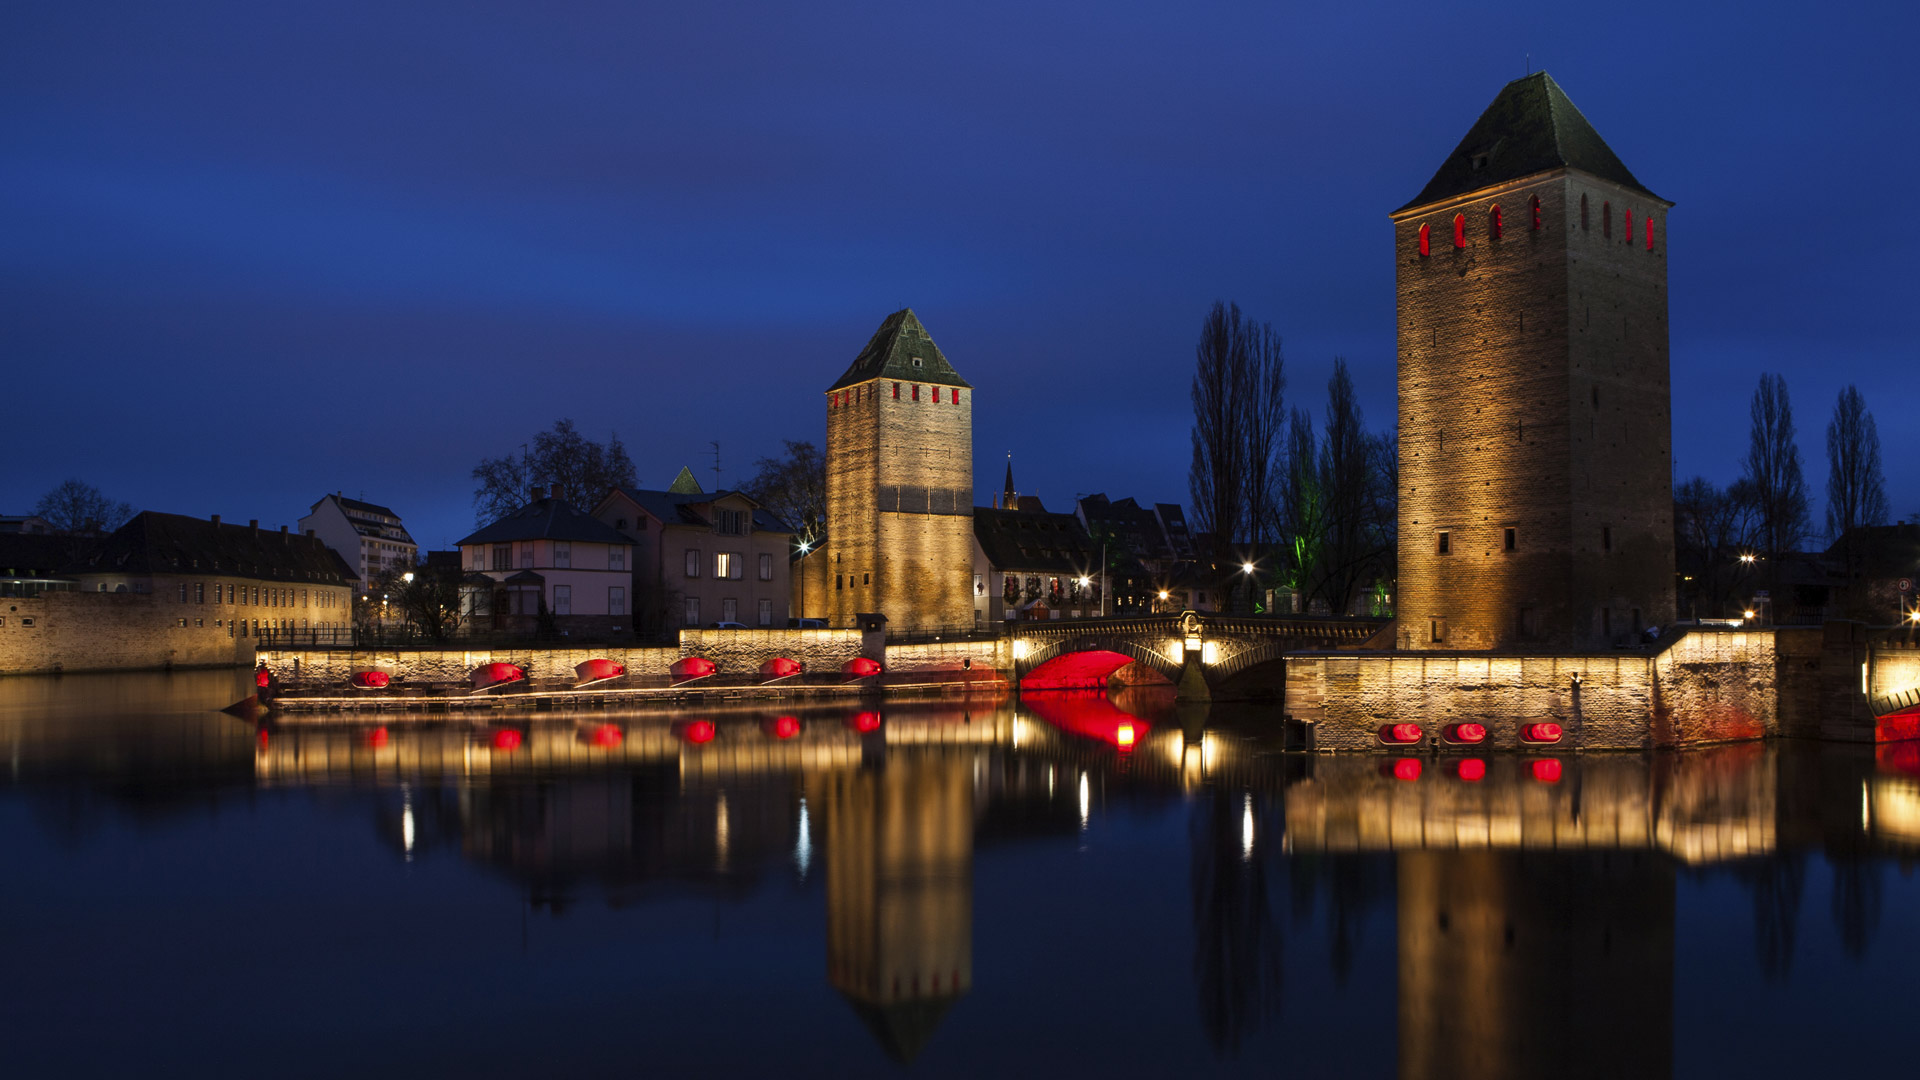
371	680
1547	771
262	678
1472	770
1400	733
1542	733
1467	733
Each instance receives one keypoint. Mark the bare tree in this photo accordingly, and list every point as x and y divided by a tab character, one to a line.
1349	482
577	470
78	508
1239	384
1773	468
1856	485
1301	509
795	488
1713	528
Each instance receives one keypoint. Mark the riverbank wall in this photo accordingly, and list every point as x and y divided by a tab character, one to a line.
74	632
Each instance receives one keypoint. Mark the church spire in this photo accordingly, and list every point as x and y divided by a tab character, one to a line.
1009	499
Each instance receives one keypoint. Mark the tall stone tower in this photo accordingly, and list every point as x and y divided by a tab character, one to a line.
900	484
1536	491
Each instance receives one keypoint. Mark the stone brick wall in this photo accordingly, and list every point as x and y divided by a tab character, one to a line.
93	631
453	665
1707	687
899	506
1533	396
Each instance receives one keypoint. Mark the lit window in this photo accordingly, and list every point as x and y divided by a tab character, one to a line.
723	564
1536	212
1426	232
1649	232
916	391
1460	230
936	395
956	393
1493	223
1626	222
896	391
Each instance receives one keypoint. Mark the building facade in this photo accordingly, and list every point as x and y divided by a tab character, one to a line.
369	537
702	558
1536	498
548	566
899	486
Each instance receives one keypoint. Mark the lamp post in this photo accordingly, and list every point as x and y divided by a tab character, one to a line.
805	546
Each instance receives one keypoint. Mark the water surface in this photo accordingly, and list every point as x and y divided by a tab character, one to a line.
1069	884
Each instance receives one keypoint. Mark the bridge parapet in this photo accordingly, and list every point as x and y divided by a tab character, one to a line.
1225	645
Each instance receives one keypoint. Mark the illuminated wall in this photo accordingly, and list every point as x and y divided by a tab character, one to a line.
1534	397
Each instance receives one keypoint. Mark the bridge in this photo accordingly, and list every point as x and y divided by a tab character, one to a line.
1203	654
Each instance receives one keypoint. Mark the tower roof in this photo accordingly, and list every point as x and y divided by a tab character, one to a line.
901	349
1531	127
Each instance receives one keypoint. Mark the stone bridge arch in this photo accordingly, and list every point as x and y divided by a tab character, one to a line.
1138	640
1231	648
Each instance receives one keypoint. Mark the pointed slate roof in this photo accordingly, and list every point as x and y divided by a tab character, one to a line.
902	1028
1531	127
892	351
1007	498
685	484
547	519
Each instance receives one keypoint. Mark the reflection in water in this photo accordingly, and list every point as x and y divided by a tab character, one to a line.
1534	898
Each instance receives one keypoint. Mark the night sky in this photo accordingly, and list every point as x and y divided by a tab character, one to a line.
252	253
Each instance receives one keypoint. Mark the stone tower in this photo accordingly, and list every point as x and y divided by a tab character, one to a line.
900	484
1536	491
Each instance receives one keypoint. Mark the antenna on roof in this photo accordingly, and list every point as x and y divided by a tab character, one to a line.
716	464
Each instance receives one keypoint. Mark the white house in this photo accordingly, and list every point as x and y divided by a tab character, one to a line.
368	538
548	559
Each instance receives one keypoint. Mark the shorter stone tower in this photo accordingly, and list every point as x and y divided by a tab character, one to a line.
900	484
1536	493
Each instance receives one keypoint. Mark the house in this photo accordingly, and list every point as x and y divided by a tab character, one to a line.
30	524
701	557
1032	565
227	580
548	566
369	537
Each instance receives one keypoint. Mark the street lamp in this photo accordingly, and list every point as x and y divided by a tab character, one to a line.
1749	613
805	546
407	577
1747	557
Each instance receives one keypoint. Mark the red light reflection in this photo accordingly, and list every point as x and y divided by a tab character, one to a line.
506	739
1547	771
786	727
864	722
1088	713
607	735
1472	770
1406	769
377	738
698	731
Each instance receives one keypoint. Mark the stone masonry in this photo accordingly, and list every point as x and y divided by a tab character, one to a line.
1535	433
899	486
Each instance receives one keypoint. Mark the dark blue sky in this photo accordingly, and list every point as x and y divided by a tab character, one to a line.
256	252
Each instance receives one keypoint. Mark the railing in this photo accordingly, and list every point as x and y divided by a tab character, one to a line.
403	637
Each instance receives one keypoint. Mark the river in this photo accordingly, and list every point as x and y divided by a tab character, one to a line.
1070	884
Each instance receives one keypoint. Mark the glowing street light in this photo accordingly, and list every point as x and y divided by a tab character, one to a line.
1747	558
1247	568
1749	613
407	577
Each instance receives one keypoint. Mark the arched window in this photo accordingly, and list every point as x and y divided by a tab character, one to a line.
1606	219
1649	232
1583	213
1535	207
1425	241
1459	230
1626	219
1493	222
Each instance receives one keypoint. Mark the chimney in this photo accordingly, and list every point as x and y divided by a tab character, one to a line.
254	524
309	532
539	493
216	519
283	528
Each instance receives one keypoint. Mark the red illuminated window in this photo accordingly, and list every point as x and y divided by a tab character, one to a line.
1493	223
1425	233
1606	220
896	391
1626	219
956	393
1649	232
1535	206
936	395
916	391
1459	230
